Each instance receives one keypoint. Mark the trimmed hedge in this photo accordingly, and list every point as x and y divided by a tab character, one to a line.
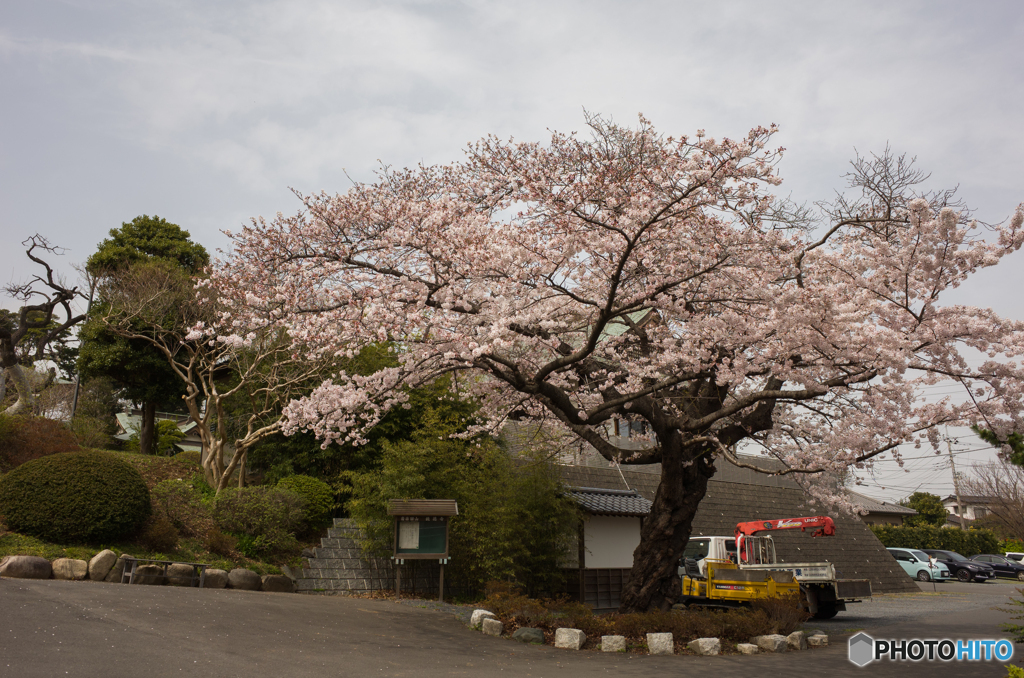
317	494
967	543
75	497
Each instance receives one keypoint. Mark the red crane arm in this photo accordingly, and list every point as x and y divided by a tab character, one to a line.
826	528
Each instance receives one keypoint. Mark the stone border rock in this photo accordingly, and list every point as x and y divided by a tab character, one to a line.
657	643
107	566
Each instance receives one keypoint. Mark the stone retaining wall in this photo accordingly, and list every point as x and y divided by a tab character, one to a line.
338	565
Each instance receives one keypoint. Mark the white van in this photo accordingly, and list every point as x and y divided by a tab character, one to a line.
1015	556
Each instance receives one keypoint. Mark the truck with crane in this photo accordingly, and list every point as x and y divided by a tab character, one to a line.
732	571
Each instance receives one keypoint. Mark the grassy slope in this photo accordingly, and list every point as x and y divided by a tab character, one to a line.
153	470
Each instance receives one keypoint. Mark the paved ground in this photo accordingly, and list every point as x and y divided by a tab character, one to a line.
54	628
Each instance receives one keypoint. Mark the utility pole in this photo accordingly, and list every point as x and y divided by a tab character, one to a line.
956	485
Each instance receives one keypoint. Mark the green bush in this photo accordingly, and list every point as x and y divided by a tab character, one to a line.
190	456
268	516
966	543
159	535
23	438
75	497
181	503
318	497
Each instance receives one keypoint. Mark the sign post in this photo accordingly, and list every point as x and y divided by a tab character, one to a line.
421	533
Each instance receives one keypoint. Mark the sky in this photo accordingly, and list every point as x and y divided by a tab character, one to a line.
209	113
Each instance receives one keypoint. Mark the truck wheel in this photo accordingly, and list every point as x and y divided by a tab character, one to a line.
826	611
923	576
963	575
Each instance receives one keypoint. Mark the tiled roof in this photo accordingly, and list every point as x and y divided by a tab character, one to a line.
605	502
874	506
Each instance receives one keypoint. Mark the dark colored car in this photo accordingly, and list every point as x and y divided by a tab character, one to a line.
1004	567
962	568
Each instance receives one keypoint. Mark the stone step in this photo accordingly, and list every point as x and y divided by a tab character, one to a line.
323	553
340	543
343	533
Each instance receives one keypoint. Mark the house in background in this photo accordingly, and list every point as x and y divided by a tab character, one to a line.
881	512
608	534
130	422
971	508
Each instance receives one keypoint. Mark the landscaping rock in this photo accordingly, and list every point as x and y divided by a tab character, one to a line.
150	575
660	643
278	583
479	616
25	567
287	571
613	643
772	643
747	648
797	640
215	579
100	564
817	640
180	574
528	634
702	646
247	580
569	639
492	627
115	572
70	568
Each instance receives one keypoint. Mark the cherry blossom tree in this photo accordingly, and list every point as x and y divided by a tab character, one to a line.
157	302
635	277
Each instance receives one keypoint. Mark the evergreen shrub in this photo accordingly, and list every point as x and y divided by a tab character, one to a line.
190	456
181	504
318	497
265	518
75	497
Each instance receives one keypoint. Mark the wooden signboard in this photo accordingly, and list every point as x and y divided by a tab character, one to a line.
421	533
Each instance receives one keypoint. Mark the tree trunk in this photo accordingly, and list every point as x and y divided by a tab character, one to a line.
147	433
654	580
26	402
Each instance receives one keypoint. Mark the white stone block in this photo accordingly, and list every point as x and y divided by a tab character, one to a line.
479	616
613	643
491	626
797	640
569	639
747	648
705	646
817	640
772	643
660	643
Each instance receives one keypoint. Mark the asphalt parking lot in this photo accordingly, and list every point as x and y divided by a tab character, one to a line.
59	628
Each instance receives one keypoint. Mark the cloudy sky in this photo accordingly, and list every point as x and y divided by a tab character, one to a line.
207	113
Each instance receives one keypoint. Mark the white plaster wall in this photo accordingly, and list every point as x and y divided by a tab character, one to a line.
610	541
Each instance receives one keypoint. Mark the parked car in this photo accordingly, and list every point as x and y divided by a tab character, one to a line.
962	568
919	565
1014	556
1004	567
